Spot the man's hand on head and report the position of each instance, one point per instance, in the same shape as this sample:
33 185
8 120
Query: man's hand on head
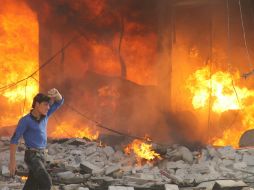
53 93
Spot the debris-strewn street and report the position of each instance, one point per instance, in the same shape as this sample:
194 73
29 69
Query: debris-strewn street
81 164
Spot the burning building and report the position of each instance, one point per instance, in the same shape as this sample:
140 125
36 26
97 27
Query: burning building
166 69
178 71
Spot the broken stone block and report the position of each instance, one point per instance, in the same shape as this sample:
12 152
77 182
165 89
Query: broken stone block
176 179
76 152
199 178
240 165
171 187
4 188
227 162
180 153
64 178
224 169
5 171
120 188
82 188
181 173
98 158
12 186
65 175
113 168
126 169
186 154
223 184
89 168
71 187
180 164
135 180
208 185
248 159
147 176
55 149
143 168
117 156
201 168
90 150
109 151
155 170
173 155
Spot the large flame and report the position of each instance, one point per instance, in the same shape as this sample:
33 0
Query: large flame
220 91
18 59
219 87
68 130
142 150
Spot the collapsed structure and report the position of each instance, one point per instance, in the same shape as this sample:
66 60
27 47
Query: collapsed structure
83 164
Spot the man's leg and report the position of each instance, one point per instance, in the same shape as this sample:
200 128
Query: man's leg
30 183
38 171
41 175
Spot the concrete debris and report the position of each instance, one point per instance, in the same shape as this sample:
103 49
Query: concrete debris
88 167
171 187
5 171
82 188
120 188
180 153
113 168
223 184
248 159
109 151
83 165
206 185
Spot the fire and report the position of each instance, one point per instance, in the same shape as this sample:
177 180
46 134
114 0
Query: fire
219 90
18 59
142 150
24 178
68 130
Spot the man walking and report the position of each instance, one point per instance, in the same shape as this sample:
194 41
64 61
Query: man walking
33 128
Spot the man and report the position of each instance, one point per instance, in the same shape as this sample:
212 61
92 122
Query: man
33 128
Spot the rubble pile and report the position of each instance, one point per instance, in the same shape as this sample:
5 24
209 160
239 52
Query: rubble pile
79 164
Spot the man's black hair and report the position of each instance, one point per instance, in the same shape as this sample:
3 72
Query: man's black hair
40 98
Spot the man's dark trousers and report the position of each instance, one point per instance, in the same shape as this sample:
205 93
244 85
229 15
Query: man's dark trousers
38 178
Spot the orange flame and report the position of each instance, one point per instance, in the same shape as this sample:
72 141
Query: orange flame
142 150
69 130
18 58
220 87
24 178
223 96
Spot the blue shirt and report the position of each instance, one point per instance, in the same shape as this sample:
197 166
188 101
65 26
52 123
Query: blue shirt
34 132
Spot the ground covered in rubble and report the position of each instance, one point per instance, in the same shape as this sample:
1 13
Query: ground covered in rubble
80 164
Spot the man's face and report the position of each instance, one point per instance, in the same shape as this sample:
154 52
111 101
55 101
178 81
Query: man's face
42 108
